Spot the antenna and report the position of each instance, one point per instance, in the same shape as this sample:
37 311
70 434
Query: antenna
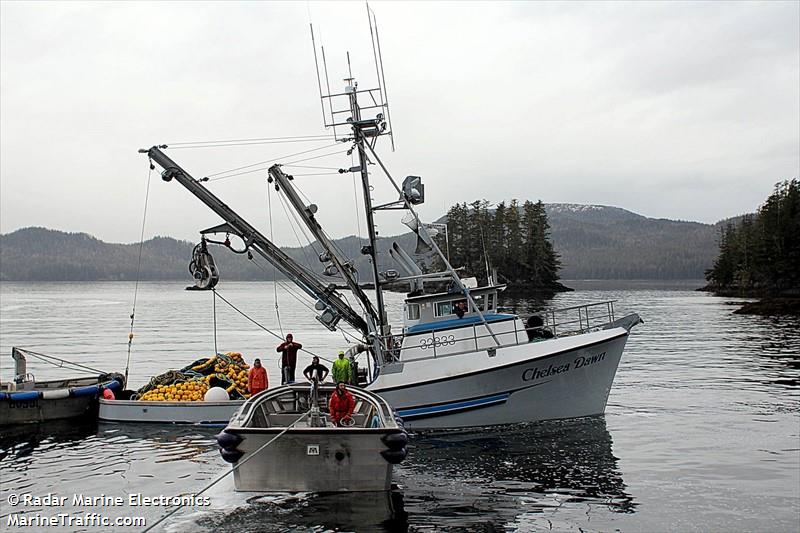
379 67
316 67
337 107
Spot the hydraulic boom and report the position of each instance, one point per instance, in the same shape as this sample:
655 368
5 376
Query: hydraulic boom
328 299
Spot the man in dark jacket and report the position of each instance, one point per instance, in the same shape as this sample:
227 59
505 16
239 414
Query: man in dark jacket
288 352
315 371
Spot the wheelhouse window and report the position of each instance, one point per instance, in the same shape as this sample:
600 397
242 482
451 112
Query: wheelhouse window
412 311
490 301
443 308
479 302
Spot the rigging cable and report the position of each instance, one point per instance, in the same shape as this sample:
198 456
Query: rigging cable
49 359
257 139
274 269
138 267
289 213
270 160
226 474
264 327
214 306
224 145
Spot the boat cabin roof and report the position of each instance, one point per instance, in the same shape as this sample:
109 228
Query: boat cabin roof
450 295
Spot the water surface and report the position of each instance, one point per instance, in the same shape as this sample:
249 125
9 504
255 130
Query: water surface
702 430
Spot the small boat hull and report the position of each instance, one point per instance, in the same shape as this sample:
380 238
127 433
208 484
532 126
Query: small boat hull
53 400
330 460
200 413
35 410
284 440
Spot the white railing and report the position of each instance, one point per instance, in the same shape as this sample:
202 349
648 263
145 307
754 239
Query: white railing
557 323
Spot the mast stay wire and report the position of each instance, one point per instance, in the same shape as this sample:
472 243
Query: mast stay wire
272 160
224 145
208 178
257 139
138 267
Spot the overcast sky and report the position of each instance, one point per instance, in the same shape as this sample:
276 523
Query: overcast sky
676 110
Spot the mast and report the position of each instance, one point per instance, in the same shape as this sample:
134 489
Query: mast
361 129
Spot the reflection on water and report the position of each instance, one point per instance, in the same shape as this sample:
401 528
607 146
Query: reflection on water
494 477
20 442
363 511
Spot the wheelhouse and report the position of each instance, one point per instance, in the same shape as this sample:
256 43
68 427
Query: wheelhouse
428 312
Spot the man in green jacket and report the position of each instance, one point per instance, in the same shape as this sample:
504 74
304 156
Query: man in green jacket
341 369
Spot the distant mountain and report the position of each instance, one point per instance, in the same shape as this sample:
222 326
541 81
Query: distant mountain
595 242
602 242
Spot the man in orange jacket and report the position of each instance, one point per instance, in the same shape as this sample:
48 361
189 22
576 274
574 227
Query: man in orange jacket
341 404
257 379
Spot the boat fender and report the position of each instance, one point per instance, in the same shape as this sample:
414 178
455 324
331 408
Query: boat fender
58 394
400 422
395 441
113 384
24 396
228 441
230 455
395 456
78 392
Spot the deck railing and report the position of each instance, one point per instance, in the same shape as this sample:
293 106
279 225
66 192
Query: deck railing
560 322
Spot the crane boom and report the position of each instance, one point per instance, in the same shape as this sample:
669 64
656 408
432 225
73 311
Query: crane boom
333 306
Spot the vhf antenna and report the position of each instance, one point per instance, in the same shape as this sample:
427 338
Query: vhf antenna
377 99
378 57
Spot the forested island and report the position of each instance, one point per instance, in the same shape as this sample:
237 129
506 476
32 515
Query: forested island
759 255
514 239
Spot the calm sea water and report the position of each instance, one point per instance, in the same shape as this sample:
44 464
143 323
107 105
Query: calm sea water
702 430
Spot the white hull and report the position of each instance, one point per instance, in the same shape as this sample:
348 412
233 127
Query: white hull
202 413
565 377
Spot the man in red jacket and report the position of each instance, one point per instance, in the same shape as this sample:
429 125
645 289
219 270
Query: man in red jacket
288 352
341 404
257 379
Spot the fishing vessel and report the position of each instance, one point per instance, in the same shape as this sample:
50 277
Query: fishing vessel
283 440
457 360
27 400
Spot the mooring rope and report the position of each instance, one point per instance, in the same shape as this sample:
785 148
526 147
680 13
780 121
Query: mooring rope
229 472
138 268
48 359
